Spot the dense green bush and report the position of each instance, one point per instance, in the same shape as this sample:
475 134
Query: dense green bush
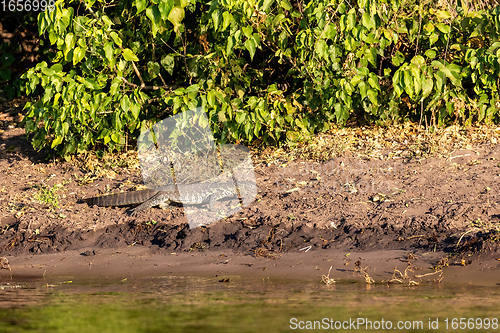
265 69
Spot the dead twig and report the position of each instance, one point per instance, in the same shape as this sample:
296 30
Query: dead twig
326 279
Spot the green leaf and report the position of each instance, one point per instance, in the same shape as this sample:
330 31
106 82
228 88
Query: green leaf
247 31
117 122
427 85
250 45
107 21
301 123
115 86
454 74
154 15
264 115
240 117
418 60
494 46
439 76
322 49
331 31
57 141
442 14
129 55
5 74
283 40
66 17
367 21
82 44
125 103
47 71
417 85
216 19
115 137
433 38
42 24
78 55
153 69
165 6
65 128
355 80
372 95
248 130
293 136
428 28
135 109
140 5
221 116
230 45
116 38
69 43
256 130
351 19
168 62
91 84
227 19
52 37
397 82
398 59
431 53
266 5
371 56
373 81
445 29
408 83
108 51
176 16
451 71
285 4
361 88
211 98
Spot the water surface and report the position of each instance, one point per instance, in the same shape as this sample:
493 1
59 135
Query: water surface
187 304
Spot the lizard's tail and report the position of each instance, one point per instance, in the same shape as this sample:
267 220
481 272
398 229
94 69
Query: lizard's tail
121 199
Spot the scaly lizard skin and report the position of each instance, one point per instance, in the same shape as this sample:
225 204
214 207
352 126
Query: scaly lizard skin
122 199
192 194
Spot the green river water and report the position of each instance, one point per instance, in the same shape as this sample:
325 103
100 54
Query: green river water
181 304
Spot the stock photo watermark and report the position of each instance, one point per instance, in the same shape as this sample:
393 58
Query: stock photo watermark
356 324
27 5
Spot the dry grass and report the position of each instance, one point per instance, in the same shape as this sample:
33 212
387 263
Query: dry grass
326 279
377 142
444 262
262 252
409 277
478 226
105 166
368 142
363 272
199 246
4 263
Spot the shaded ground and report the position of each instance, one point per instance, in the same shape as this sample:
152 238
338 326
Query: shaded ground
448 205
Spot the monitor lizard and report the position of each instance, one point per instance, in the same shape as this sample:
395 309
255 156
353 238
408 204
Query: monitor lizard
191 194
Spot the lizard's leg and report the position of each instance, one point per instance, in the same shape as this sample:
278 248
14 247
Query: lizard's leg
165 204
